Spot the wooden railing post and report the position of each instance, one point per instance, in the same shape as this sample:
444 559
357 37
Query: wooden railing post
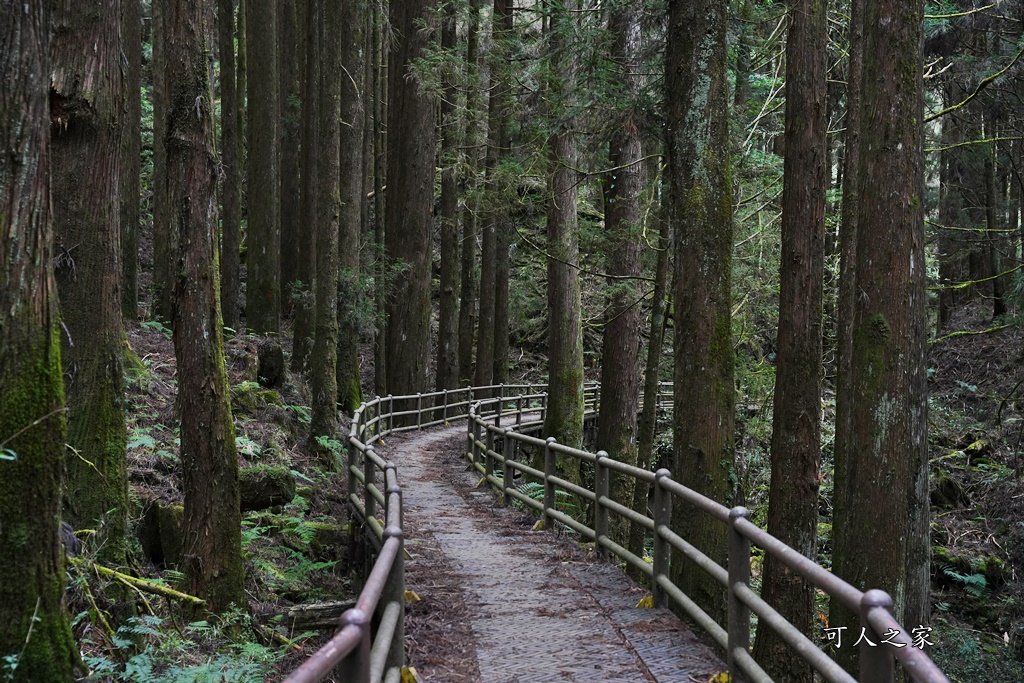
497 416
419 410
488 449
353 451
369 476
739 573
356 667
507 473
662 549
444 412
549 486
877 663
601 487
394 587
391 412
519 411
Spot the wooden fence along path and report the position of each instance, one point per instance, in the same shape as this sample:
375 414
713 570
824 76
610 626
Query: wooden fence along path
535 616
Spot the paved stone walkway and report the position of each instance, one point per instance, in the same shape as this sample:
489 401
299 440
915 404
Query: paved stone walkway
516 605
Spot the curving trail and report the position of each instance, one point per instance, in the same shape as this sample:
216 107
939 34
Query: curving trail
504 604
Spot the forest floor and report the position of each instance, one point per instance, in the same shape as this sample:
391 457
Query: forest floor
976 425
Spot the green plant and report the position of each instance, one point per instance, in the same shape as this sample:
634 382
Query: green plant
975 584
157 326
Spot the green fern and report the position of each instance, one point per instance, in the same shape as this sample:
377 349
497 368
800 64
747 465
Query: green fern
974 584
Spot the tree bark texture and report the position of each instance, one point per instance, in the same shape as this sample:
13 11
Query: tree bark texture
447 332
305 309
353 102
324 359
380 165
212 552
796 423
700 191
87 101
493 215
231 186
647 425
620 350
289 134
469 284
131 159
32 424
564 419
263 256
881 537
410 150
161 304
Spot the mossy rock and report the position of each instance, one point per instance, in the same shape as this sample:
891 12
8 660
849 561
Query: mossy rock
160 533
978 449
944 558
947 492
270 397
994 569
329 542
264 486
271 370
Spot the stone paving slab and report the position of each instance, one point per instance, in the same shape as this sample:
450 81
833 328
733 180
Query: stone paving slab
539 608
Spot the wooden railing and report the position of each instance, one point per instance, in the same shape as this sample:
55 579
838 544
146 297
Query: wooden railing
369 645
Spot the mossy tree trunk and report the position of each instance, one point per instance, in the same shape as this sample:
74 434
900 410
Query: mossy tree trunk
881 537
410 150
324 357
353 103
380 167
263 256
470 283
700 196
212 552
33 620
493 216
131 160
161 302
620 350
305 310
447 329
647 425
796 424
87 102
231 187
564 419
288 148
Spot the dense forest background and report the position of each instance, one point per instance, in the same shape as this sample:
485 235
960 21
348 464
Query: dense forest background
227 222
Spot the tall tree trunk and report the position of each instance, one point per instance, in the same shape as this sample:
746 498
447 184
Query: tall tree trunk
212 553
469 284
263 260
882 540
564 419
324 358
620 351
486 360
305 310
85 135
288 147
380 164
447 329
353 102
33 620
992 224
848 230
647 426
231 244
131 158
950 206
231 191
796 424
701 213
161 305
410 150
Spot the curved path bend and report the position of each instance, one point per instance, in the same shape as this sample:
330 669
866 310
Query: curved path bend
501 603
